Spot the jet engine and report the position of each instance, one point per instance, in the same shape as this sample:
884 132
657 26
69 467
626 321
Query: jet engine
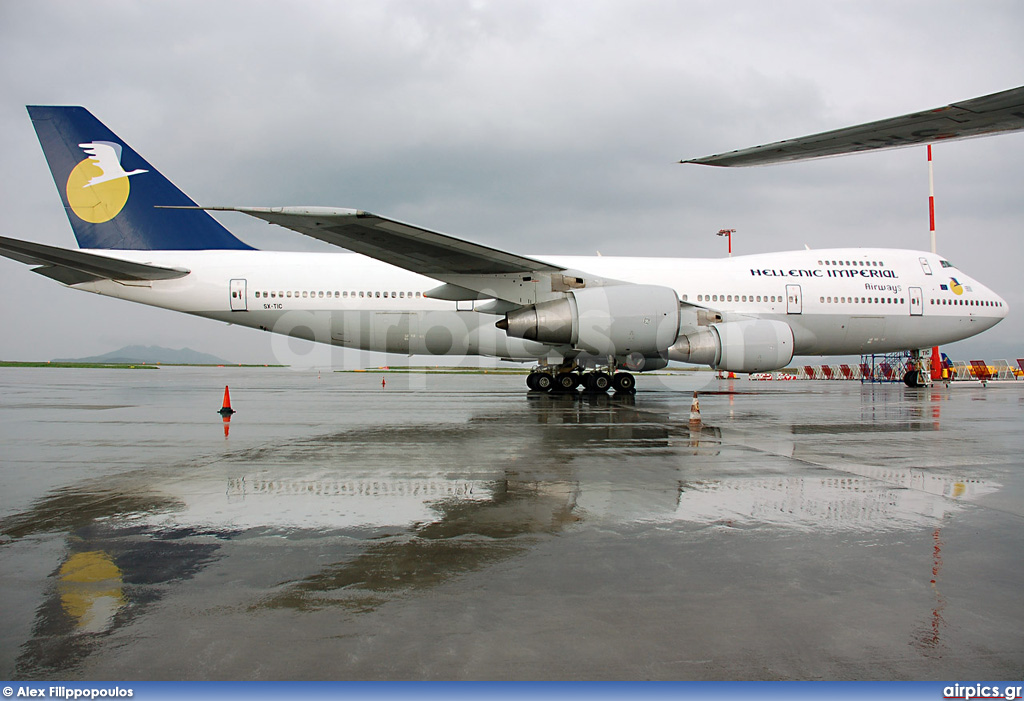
616 320
753 345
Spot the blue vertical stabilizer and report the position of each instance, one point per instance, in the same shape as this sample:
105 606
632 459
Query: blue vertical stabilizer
110 193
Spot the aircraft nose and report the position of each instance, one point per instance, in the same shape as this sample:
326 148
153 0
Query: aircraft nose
1004 308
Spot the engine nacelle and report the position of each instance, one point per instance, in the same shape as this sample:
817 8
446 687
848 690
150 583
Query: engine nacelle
616 320
637 362
753 345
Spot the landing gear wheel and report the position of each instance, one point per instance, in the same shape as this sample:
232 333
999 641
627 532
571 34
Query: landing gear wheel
566 382
539 381
544 382
597 381
624 382
912 378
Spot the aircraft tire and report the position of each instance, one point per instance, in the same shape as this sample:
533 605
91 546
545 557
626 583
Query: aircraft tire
624 382
565 382
597 382
531 381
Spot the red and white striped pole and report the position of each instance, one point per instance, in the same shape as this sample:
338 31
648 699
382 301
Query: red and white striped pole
728 234
936 359
931 198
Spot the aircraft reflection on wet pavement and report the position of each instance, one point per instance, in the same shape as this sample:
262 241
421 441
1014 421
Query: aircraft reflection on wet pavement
371 512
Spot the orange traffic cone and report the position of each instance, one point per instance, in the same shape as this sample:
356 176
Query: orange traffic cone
226 410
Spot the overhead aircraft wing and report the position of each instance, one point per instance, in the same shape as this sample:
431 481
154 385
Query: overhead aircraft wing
403 245
991 114
72 267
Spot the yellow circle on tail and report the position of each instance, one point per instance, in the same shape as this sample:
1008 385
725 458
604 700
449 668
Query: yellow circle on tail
98 203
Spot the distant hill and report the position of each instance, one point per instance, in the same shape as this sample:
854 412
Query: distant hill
150 354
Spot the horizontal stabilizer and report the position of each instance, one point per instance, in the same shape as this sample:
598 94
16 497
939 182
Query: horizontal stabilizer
72 267
403 245
982 116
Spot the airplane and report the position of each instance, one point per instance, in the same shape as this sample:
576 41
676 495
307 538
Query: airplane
583 321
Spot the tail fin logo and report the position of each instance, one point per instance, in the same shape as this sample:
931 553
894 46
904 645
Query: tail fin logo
98 187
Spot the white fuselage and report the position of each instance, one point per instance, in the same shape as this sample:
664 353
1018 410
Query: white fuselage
837 301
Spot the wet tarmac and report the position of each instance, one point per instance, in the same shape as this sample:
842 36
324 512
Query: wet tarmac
454 527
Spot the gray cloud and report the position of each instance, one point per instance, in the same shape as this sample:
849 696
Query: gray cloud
537 126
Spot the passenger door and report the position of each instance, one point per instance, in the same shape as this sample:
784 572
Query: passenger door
794 300
238 303
916 301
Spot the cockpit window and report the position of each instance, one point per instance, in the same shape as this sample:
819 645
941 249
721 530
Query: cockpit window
947 264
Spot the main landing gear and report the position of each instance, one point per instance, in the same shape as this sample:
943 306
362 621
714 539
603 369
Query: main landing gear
565 379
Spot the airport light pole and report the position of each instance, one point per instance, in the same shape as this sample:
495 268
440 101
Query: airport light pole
728 234
935 371
931 199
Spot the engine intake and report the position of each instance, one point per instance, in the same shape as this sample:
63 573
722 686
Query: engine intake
616 320
753 345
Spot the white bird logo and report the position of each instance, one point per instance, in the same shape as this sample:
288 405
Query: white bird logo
106 156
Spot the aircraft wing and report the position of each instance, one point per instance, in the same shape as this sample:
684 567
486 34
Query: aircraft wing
991 114
403 245
72 267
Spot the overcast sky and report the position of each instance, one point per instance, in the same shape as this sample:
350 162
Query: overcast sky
539 127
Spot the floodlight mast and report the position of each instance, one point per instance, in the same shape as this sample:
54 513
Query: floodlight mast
931 199
728 234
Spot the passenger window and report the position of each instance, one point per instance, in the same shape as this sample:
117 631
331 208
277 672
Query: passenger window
321 294
378 295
